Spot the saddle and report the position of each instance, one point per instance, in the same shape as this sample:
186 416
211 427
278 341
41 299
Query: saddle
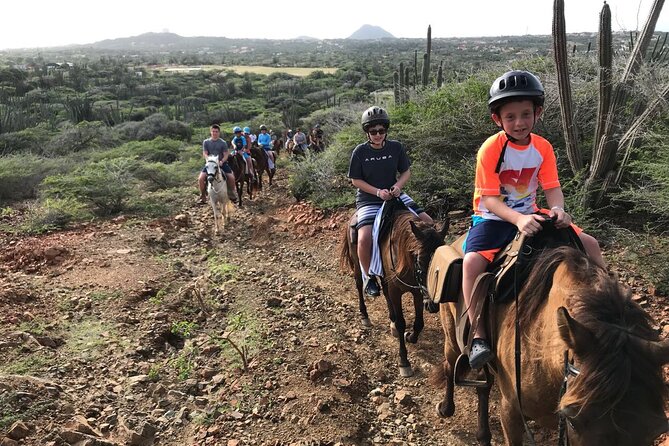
501 283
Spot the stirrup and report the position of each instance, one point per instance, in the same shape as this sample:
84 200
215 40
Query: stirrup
462 370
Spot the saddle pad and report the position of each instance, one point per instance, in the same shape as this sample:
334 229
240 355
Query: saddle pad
444 276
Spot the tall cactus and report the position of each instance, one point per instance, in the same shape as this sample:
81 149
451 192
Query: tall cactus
415 69
605 63
396 88
564 86
604 158
426 68
440 74
406 90
402 83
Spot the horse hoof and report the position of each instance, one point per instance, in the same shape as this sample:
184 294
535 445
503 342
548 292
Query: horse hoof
366 322
406 372
408 337
447 412
431 307
393 330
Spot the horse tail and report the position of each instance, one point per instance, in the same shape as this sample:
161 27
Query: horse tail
346 262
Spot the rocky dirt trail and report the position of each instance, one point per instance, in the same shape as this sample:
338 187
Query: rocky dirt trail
160 332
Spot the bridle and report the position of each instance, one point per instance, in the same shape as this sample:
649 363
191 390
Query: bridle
569 371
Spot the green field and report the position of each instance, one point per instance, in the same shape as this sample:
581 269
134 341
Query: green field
240 69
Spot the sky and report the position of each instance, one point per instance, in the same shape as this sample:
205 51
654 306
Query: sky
45 23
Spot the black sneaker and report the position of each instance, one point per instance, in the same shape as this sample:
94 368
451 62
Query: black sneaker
372 288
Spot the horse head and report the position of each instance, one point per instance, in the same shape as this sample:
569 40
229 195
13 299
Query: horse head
616 397
212 168
428 240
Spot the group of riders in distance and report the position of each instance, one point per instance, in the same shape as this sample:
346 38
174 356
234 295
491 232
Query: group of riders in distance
242 144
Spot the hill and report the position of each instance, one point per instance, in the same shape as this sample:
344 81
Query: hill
370 32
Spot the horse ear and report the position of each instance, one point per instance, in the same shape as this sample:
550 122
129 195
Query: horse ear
417 232
443 232
575 335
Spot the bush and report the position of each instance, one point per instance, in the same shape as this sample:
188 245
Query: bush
54 214
161 150
105 186
154 126
29 140
160 203
82 136
20 175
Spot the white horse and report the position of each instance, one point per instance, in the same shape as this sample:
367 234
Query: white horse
218 192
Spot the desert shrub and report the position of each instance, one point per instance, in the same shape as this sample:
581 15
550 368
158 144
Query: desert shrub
82 136
29 140
52 214
160 203
160 149
104 186
156 176
154 126
20 175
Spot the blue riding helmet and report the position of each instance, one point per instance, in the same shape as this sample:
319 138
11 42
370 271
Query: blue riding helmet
236 129
247 129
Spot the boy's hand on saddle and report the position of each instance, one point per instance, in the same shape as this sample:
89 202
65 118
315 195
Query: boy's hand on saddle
529 224
560 217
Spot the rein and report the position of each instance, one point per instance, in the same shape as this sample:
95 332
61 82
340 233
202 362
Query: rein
418 272
569 371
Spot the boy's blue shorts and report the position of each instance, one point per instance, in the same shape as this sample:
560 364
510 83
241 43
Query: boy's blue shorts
487 237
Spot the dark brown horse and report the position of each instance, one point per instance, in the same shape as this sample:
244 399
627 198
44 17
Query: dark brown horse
571 305
262 165
410 243
238 166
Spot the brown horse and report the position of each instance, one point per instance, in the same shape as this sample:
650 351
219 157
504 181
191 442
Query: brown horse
571 305
262 165
238 166
410 243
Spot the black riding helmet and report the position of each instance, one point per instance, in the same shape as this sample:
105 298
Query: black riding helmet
374 116
516 85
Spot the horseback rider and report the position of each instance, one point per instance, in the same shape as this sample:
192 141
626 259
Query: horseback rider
250 137
216 146
288 137
510 166
241 144
300 141
374 169
265 141
316 139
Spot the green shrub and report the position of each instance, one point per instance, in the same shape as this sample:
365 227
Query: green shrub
82 136
54 214
20 175
30 140
105 186
160 203
154 126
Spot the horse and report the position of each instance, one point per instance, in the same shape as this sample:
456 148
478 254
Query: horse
262 165
290 144
401 252
277 145
590 361
238 166
217 189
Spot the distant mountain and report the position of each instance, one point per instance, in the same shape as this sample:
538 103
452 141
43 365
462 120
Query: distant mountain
369 32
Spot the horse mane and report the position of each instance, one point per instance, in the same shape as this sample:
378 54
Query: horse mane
406 245
605 308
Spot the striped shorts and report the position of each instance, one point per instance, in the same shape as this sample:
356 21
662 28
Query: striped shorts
367 211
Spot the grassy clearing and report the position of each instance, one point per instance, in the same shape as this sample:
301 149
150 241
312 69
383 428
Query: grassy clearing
241 69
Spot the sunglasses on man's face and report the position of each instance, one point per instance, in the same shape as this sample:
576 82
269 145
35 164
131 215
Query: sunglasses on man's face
374 132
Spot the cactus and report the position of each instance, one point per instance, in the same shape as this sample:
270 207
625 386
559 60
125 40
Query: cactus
406 90
396 88
440 74
605 62
589 46
426 67
402 83
564 86
415 69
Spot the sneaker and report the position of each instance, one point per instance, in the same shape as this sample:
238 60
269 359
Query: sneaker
480 354
372 287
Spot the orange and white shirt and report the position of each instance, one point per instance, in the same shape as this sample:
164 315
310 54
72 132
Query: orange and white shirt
523 169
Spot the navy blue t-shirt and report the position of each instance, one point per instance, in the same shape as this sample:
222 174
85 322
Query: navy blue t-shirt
377 167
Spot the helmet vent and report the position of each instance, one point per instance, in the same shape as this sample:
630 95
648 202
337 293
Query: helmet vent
512 81
502 84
